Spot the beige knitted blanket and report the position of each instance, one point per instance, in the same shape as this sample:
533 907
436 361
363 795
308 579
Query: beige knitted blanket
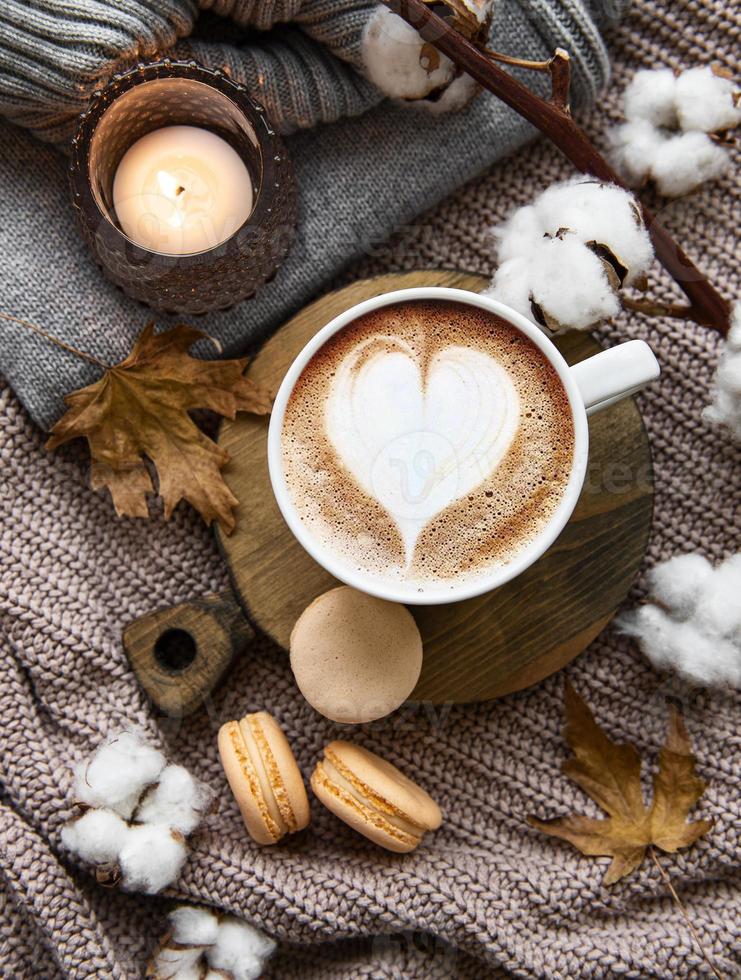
486 895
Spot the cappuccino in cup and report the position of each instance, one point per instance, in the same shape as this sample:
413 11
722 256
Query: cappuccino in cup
427 442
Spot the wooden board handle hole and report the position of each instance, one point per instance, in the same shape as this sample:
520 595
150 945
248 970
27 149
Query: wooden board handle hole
175 650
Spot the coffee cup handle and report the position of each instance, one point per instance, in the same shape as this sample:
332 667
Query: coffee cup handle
613 374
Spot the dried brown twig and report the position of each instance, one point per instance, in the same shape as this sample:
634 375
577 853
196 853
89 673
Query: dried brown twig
552 117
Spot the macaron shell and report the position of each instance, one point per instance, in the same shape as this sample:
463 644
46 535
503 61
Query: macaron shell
246 789
290 779
355 658
388 782
264 777
350 813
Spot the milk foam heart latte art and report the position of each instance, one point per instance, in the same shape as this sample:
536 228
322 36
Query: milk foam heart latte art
395 431
426 442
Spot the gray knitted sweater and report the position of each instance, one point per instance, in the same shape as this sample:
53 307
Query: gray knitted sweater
376 167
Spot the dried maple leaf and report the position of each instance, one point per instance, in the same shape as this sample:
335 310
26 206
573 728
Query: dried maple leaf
611 775
140 407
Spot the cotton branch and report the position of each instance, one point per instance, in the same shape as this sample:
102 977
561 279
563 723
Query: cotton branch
552 117
558 67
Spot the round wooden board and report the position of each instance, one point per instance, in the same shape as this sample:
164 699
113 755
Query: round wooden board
484 647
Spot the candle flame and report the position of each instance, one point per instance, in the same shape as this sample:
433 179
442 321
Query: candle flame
169 185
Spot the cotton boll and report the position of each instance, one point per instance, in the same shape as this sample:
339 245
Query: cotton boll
177 800
193 926
118 772
151 858
548 253
633 147
686 161
569 283
603 213
651 96
705 101
392 50
97 836
683 647
241 949
697 633
581 210
678 583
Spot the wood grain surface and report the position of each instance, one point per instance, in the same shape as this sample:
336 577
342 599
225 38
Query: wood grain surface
180 653
486 646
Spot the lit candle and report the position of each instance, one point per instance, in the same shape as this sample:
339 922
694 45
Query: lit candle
180 190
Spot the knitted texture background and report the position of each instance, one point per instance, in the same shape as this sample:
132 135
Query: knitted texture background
485 896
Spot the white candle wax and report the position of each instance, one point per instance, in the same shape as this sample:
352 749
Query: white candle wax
180 190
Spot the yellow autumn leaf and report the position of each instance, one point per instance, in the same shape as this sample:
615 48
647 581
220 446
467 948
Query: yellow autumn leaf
140 409
611 775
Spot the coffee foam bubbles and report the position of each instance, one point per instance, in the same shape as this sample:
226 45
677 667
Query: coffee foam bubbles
426 442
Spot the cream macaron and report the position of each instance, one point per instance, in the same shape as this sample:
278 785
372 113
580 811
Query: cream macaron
355 658
263 776
373 797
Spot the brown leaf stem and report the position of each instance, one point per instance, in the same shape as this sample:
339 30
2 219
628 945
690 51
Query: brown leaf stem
680 905
552 117
55 340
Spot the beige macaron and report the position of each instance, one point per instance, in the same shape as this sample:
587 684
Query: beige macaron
373 797
355 658
264 777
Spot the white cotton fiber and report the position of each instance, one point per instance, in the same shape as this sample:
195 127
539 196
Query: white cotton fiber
633 147
193 926
119 770
241 949
729 374
684 162
726 406
602 213
665 138
152 858
178 800
719 608
568 281
98 836
696 630
391 51
651 95
511 286
678 582
706 101
516 235
547 252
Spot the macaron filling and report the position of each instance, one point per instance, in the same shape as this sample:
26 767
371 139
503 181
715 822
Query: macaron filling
337 780
276 787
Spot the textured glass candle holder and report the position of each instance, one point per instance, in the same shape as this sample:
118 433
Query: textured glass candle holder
171 93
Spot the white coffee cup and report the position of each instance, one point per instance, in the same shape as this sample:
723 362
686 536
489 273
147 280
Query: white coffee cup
590 385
